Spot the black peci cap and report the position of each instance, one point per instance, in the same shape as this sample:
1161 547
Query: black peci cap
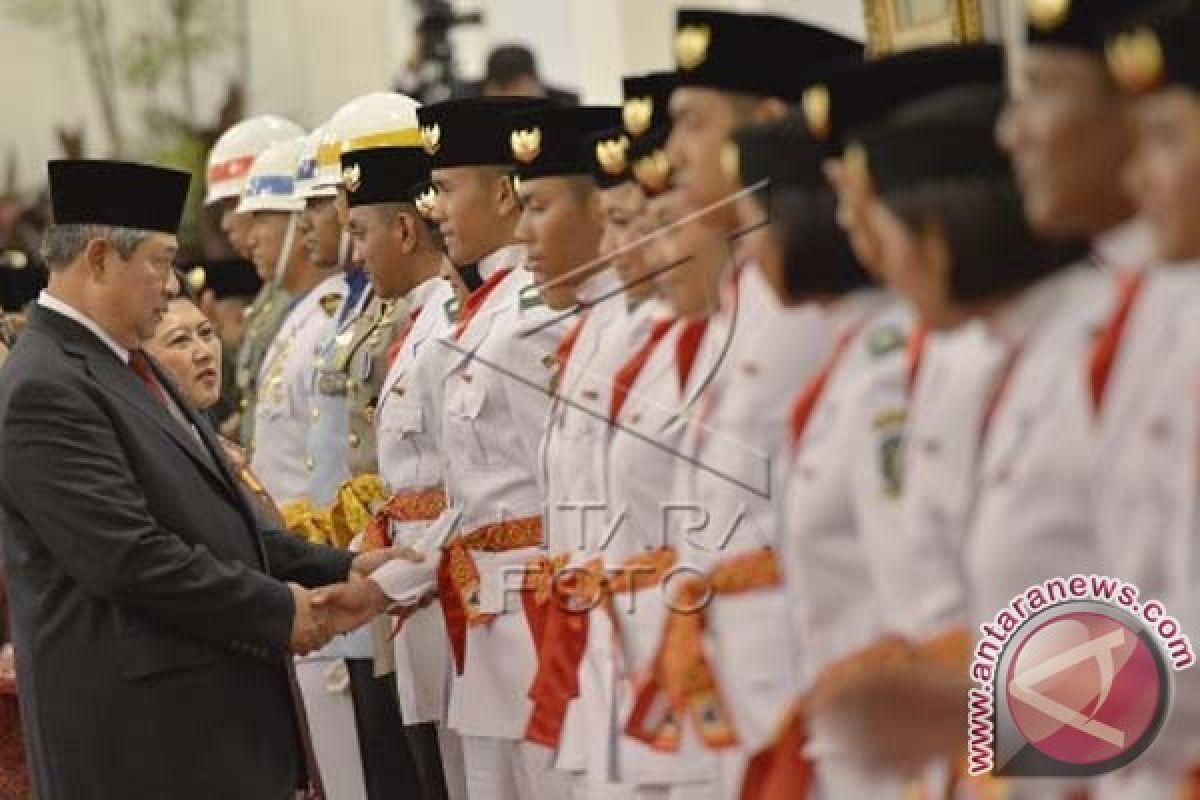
850 94
471 132
118 193
646 97
755 54
554 141
383 175
227 277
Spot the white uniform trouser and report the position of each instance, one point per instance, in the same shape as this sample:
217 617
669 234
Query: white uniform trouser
450 745
505 769
332 727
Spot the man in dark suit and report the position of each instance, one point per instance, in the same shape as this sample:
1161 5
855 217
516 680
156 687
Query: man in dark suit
152 618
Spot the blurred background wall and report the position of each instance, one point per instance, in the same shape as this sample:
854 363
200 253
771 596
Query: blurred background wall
301 58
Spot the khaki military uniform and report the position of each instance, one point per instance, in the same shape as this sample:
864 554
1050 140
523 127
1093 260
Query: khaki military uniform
366 367
264 317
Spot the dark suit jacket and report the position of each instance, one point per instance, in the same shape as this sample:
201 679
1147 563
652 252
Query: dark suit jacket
151 637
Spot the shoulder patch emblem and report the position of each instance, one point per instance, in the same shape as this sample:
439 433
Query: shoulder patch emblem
889 426
330 302
531 298
886 340
451 307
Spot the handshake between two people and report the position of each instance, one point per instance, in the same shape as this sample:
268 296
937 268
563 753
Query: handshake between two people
321 614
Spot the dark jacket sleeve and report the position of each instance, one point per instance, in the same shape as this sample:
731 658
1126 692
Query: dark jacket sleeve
61 455
310 565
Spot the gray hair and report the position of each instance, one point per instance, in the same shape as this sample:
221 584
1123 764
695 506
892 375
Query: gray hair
62 244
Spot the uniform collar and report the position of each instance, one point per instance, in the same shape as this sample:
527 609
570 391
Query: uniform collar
52 303
854 307
1128 246
419 296
598 287
1013 322
511 256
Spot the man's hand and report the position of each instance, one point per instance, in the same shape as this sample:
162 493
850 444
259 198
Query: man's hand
899 717
310 630
348 606
366 563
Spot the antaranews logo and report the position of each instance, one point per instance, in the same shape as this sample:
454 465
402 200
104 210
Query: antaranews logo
1073 679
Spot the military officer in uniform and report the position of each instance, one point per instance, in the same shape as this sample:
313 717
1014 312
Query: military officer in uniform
343 484
285 399
317 179
229 164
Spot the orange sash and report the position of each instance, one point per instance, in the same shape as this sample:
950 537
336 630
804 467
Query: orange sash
682 683
781 771
458 576
557 602
417 505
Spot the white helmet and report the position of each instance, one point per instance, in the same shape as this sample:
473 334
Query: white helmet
234 152
379 119
306 171
271 183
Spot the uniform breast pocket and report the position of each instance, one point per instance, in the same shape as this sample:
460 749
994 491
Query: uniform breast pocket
580 427
467 431
274 401
400 429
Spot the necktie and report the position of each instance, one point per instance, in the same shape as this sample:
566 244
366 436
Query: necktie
567 345
625 377
913 355
999 389
395 348
1107 344
806 402
686 348
475 301
140 364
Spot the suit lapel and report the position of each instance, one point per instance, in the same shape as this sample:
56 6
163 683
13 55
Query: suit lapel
120 380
